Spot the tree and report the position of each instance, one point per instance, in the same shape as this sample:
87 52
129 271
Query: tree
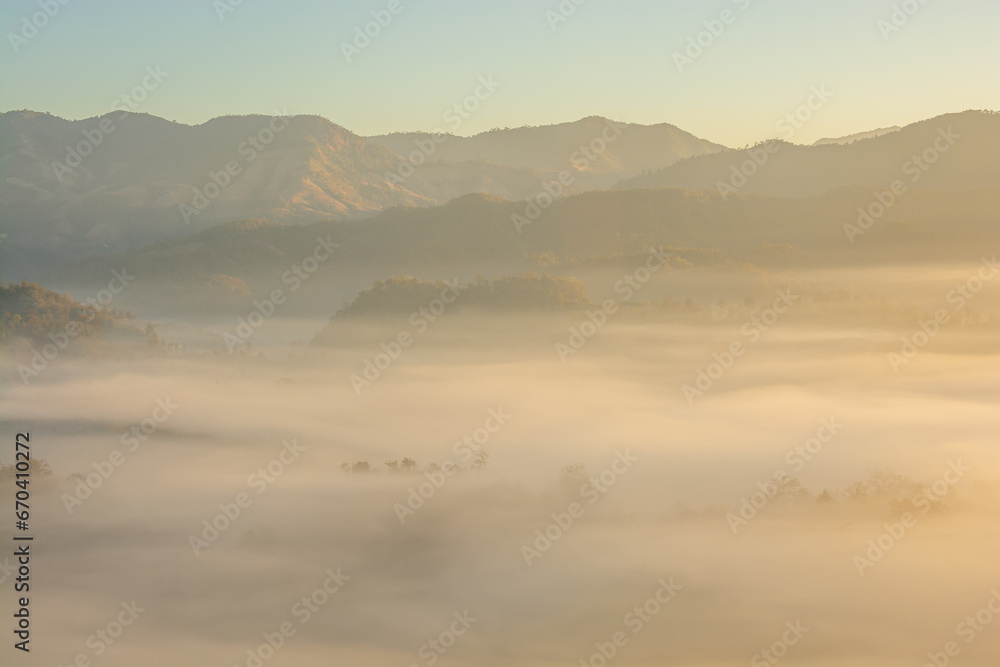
38 467
571 476
857 490
358 466
791 489
152 337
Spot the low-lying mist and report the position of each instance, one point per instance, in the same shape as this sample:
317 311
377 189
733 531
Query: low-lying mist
503 490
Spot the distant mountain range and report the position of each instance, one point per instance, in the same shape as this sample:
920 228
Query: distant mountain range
597 152
851 138
225 267
289 168
120 180
74 189
951 152
102 184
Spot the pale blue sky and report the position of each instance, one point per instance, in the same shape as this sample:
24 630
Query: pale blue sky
611 58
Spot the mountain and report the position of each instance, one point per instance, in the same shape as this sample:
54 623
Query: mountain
444 181
286 167
851 138
72 188
124 199
28 310
405 294
951 152
597 152
225 268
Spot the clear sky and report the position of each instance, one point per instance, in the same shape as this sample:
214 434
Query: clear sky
613 58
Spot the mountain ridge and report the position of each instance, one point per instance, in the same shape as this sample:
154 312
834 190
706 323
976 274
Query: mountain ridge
790 170
72 188
597 151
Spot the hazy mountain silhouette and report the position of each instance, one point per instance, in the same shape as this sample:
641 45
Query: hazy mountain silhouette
128 191
628 149
475 233
138 170
310 167
851 138
793 171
